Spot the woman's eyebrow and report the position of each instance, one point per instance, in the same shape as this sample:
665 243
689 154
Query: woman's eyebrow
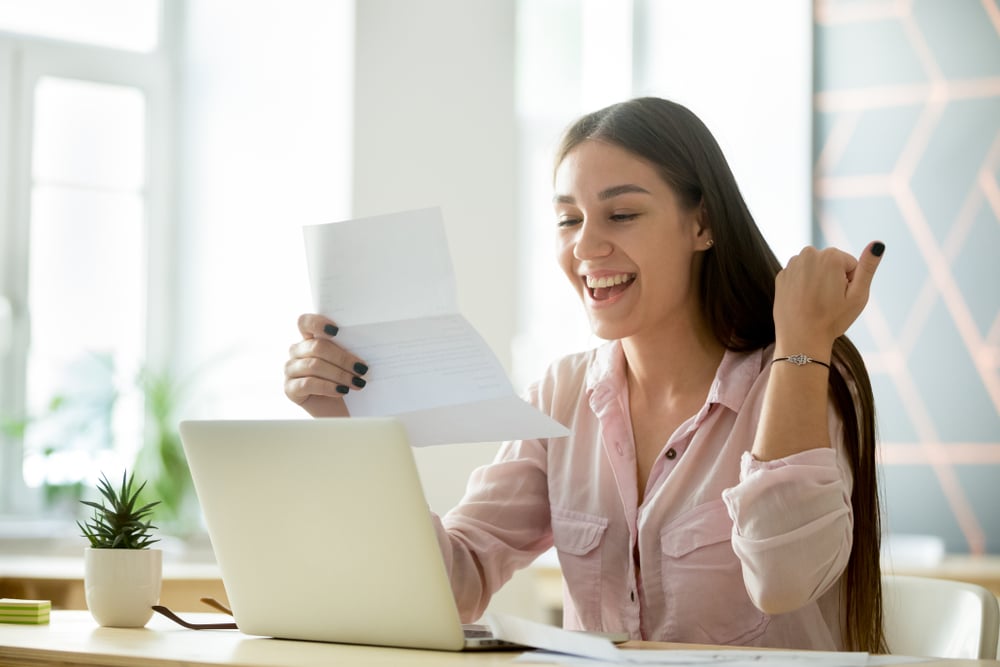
605 194
616 190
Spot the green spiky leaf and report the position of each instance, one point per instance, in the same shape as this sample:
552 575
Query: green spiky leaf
116 522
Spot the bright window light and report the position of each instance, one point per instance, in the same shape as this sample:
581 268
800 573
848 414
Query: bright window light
87 279
123 24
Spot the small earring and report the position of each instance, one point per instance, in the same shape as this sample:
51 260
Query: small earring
710 243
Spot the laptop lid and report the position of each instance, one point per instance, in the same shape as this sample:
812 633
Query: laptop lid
322 532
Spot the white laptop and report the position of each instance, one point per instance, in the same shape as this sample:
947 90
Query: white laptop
322 532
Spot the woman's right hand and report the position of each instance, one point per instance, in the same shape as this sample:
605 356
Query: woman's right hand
319 372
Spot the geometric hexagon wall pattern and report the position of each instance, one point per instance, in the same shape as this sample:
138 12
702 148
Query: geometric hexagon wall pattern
907 150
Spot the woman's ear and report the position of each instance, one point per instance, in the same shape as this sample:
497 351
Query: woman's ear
703 233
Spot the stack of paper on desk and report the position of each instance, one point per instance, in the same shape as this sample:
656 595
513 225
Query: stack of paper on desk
387 282
25 612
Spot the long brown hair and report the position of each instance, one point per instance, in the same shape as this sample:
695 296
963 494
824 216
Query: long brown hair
737 296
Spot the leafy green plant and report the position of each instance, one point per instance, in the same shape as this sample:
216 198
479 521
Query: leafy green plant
122 523
76 423
161 458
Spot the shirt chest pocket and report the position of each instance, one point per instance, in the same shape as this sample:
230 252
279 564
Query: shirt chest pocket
703 580
577 537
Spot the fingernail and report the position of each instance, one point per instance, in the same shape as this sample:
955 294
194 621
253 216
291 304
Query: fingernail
358 382
330 330
342 389
360 368
878 248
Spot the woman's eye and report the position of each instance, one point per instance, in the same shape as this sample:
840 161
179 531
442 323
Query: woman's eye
567 222
623 217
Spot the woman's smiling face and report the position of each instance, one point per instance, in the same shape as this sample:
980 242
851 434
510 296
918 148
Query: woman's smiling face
625 242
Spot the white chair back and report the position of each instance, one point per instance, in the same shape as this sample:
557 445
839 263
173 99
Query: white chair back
939 618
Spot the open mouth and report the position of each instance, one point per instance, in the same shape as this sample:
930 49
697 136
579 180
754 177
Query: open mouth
606 287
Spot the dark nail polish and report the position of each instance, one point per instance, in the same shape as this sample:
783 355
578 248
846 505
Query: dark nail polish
330 330
878 248
360 368
358 382
342 389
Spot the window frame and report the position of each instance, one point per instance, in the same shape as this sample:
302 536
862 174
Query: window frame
24 60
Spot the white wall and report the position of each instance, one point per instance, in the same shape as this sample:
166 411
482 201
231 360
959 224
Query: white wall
434 126
271 140
264 147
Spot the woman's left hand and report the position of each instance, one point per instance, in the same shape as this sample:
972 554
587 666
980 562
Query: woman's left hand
819 295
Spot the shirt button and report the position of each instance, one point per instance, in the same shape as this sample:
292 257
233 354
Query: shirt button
621 452
671 454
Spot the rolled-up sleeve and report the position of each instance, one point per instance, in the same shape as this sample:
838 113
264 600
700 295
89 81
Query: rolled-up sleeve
792 526
502 524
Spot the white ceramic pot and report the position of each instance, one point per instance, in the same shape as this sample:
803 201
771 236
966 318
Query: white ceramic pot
122 585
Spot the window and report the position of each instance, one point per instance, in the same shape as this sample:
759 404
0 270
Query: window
576 56
84 125
86 275
123 24
573 56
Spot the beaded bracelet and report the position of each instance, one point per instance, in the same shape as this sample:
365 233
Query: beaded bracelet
801 360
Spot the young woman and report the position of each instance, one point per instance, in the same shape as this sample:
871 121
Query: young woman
719 484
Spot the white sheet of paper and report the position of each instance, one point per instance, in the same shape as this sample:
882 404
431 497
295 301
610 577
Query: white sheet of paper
550 638
726 658
387 282
564 647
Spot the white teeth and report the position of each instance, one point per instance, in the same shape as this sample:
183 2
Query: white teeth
609 281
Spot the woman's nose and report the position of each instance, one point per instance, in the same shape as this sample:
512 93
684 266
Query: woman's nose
589 242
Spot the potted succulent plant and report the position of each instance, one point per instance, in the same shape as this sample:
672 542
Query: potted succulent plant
122 574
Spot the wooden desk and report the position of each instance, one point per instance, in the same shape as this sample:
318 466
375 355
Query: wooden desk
983 570
73 638
60 579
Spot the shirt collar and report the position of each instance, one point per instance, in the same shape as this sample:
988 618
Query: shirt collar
735 376
733 379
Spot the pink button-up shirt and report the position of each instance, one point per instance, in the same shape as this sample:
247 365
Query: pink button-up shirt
723 549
